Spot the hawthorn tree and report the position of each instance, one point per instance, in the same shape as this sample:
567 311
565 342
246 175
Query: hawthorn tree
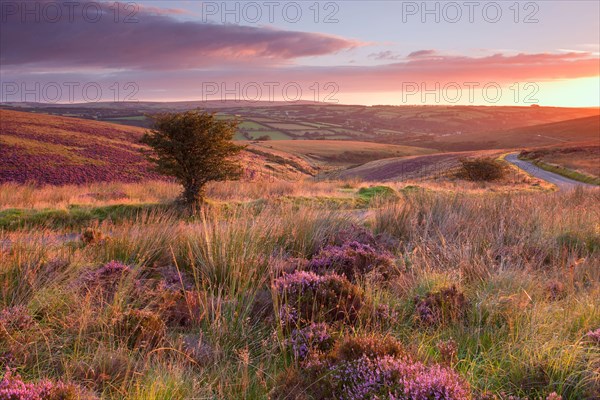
195 148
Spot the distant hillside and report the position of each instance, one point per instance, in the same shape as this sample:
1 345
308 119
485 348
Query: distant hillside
56 150
442 127
570 131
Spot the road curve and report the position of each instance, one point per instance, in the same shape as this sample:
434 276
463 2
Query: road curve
560 181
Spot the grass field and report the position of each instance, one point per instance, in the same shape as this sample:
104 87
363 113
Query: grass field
150 304
332 268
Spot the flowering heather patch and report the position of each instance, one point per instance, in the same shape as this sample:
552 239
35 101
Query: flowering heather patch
104 280
391 378
352 259
312 338
14 319
56 150
12 387
371 368
594 336
447 305
307 297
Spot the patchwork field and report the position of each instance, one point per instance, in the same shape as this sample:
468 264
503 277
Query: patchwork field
448 128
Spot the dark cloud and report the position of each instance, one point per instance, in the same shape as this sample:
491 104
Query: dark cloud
422 54
156 41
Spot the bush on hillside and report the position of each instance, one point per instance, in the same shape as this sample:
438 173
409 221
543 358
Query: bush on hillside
306 297
482 169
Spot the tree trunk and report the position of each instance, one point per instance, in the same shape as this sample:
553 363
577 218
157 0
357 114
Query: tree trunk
193 195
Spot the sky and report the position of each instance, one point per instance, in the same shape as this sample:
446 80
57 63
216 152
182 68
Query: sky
347 52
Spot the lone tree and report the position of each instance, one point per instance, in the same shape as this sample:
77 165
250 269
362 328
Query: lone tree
195 148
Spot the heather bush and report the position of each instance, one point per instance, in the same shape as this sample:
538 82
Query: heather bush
139 329
314 338
12 387
445 306
103 281
352 260
482 169
306 297
369 368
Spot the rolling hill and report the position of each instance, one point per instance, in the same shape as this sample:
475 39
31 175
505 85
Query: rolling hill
47 149
440 127
569 131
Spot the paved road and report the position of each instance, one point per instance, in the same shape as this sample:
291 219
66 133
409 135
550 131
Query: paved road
560 181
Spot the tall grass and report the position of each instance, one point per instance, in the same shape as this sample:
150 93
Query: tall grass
502 250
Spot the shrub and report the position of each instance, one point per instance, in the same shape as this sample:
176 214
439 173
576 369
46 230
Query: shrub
368 368
12 387
310 339
377 192
447 305
139 328
196 148
103 282
352 260
482 169
307 297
